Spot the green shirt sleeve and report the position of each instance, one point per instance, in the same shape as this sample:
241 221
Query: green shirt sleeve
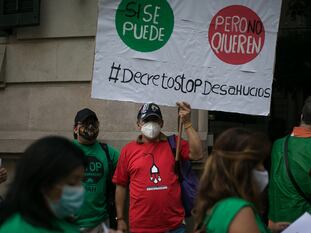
114 155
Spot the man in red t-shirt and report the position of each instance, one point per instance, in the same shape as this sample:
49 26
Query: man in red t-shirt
146 166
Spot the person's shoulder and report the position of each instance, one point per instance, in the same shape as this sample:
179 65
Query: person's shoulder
76 143
280 140
15 218
279 143
14 224
244 221
113 151
129 148
132 144
111 147
224 212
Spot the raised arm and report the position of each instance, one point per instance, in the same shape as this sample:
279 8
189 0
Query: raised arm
195 144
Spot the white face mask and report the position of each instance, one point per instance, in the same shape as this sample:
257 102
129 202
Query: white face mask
151 129
262 178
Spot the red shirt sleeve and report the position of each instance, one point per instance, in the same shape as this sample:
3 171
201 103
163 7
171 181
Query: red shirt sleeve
121 175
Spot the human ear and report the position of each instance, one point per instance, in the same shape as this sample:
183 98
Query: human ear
161 124
139 125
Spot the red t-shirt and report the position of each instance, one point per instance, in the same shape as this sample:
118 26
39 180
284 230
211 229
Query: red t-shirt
155 194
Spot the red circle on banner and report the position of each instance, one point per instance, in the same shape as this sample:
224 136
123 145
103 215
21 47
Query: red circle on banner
236 34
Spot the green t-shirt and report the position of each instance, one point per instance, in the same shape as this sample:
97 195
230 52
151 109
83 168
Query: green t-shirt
285 203
17 224
94 209
223 214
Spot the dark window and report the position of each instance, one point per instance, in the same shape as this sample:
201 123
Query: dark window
18 13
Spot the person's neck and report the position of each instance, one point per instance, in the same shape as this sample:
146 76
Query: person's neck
304 125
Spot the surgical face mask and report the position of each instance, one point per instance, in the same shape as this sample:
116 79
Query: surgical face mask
89 131
70 202
261 178
151 129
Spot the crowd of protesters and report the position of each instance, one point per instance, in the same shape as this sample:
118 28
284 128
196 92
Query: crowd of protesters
61 185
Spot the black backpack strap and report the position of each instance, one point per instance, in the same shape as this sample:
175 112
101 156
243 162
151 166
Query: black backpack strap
111 189
172 142
106 150
290 174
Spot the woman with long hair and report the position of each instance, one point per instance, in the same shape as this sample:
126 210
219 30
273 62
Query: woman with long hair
46 188
231 184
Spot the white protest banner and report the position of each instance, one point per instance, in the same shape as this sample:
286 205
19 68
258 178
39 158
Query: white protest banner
301 225
214 54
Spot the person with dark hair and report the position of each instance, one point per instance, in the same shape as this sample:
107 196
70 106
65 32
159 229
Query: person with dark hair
102 159
290 180
146 167
46 188
231 184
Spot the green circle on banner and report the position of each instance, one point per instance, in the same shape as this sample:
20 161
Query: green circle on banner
144 25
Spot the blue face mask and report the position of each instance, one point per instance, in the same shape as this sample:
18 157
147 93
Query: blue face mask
70 202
